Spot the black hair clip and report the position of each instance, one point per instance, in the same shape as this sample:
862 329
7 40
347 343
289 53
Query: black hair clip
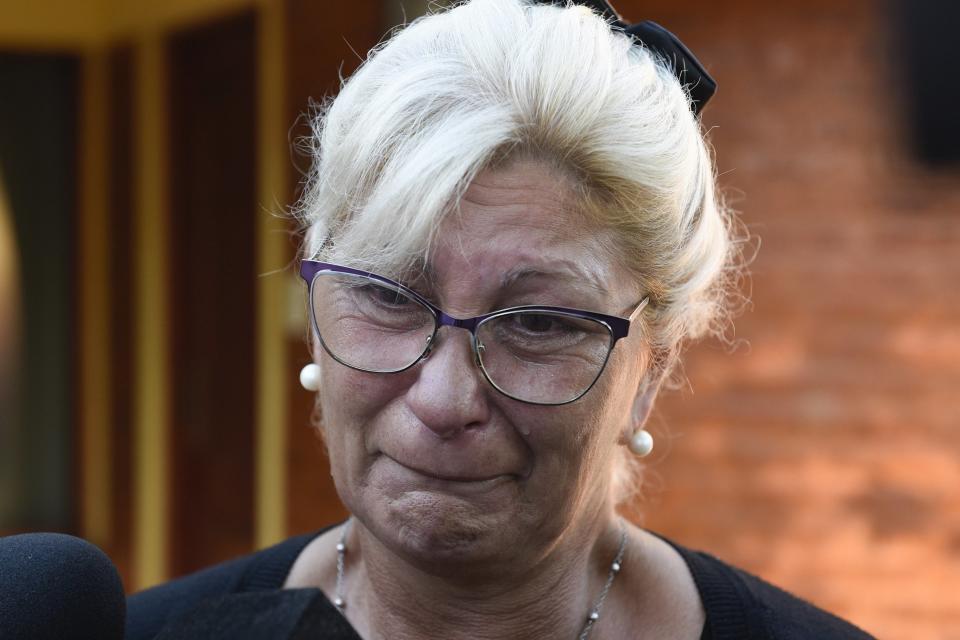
698 83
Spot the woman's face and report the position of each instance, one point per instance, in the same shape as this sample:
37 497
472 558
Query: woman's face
437 463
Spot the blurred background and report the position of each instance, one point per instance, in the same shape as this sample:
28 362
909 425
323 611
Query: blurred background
152 327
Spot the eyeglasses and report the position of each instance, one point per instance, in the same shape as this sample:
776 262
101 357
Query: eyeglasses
532 353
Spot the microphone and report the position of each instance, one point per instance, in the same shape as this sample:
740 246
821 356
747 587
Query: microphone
58 587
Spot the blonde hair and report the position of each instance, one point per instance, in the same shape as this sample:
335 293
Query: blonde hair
466 88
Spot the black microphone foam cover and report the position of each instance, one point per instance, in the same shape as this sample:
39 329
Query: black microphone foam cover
55 586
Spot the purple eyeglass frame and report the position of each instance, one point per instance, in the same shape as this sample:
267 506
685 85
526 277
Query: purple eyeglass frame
617 326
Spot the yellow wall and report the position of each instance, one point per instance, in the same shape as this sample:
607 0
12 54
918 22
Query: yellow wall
151 462
53 23
272 373
72 24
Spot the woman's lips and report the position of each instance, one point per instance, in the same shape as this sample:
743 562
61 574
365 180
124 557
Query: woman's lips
447 476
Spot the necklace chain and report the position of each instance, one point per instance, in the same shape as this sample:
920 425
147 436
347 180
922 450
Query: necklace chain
592 618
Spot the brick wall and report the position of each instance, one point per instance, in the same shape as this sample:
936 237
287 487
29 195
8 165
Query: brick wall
826 455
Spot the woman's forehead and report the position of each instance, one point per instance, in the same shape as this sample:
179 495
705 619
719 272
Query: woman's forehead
521 181
523 213
519 225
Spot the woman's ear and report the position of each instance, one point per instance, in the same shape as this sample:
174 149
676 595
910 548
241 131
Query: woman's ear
643 402
645 398
642 405
637 439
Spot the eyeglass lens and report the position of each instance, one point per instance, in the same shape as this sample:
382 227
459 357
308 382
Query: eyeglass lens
534 356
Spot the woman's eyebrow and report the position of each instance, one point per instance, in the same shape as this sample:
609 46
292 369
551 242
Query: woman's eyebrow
558 271
570 273
419 276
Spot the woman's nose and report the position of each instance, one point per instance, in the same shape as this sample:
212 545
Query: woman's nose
449 394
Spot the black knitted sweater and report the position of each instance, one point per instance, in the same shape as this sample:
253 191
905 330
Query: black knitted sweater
243 598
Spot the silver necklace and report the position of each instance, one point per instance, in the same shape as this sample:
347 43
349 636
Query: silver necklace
592 617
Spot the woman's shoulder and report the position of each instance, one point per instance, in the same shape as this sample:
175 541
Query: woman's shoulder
149 611
740 604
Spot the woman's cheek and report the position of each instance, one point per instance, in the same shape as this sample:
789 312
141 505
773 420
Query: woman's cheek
357 393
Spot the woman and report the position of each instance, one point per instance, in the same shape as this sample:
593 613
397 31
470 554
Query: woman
512 229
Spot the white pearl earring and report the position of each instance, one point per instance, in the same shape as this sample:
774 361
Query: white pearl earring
641 443
310 377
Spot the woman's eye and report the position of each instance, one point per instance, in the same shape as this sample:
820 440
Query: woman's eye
535 323
385 296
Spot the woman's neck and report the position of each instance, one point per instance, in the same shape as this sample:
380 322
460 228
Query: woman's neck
387 596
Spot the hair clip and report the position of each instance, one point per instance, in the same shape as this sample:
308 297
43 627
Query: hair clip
699 84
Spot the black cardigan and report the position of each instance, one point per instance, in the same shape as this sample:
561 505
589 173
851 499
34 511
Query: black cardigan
739 606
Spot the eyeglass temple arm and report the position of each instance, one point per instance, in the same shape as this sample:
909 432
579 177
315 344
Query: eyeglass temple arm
640 307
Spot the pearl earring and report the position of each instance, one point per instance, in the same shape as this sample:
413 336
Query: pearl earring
641 443
310 377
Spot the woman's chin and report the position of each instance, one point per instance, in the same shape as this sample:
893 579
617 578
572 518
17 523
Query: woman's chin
429 520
